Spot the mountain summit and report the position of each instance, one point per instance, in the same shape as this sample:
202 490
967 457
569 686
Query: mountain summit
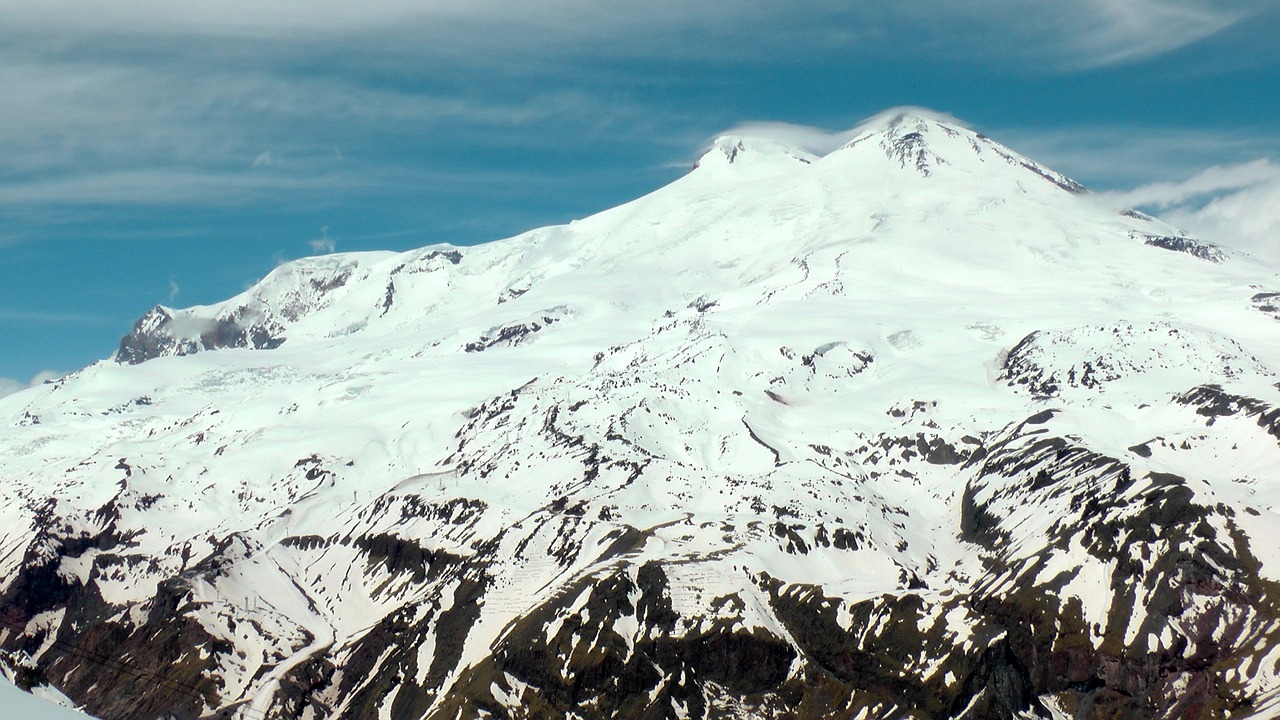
913 427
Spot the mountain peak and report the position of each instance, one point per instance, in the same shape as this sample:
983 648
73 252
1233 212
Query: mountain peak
749 151
910 115
925 141
805 143
912 138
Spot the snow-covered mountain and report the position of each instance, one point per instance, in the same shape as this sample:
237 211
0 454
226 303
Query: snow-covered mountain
915 429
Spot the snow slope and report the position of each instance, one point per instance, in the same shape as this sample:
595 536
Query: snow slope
40 702
22 705
915 428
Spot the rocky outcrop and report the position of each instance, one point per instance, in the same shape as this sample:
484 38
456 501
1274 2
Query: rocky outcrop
158 334
1190 246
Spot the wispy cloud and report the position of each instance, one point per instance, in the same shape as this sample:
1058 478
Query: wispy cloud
155 186
1203 186
323 244
51 318
1225 186
1089 32
9 386
1113 31
1072 35
154 102
1117 157
1235 205
45 376
820 141
92 126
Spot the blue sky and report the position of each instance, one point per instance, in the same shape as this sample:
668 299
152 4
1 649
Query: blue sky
157 152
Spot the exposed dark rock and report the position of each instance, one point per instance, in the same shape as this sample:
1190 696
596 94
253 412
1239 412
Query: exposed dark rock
398 555
165 671
332 282
20 669
1141 450
299 690
152 337
1136 215
516 333
702 304
1212 402
427 263
1267 302
1049 362
586 668
911 149
1195 568
1195 248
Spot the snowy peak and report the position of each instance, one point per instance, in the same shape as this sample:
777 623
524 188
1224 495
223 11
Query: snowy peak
745 154
906 142
262 317
162 331
760 203
923 141
904 138
256 319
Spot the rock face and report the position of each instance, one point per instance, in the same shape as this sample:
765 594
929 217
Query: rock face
911 430
157 334
1191 246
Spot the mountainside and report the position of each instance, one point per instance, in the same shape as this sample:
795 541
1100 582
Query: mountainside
915 429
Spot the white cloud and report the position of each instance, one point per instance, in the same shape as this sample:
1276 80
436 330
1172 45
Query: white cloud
155 186
9 386
45 376
40 317
156 102
1205 184
820 141
323 244
1112 157
83 131
1076 34
152 102
174 290
1236 205
1072 33
1112 31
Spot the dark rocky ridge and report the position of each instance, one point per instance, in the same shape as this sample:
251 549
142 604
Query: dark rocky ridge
570 657
153 337
1190 246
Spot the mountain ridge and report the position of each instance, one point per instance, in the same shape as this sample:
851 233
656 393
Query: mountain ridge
297 296
727 450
